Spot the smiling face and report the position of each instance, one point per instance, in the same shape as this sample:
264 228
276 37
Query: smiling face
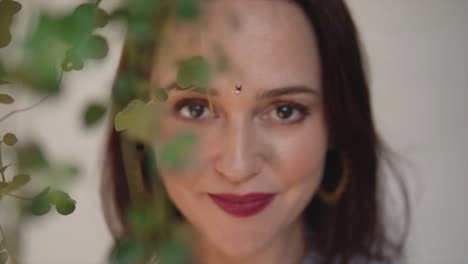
269 138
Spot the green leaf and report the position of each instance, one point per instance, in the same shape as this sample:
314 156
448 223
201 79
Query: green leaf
123 92
129 88
64 204
194 72
76 27
45 48
17 182
10 139
93 114
179 152
95 47
21 180
101 18
66 207
55 197
92 13
188 9
123 119
6 99
161 94
140 121
72 61
39 75
8 9
40 207
30 156
128 252
40 204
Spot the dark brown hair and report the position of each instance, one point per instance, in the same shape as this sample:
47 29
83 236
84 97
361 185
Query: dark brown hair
355 225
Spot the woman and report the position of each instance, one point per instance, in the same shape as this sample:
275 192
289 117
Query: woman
287 153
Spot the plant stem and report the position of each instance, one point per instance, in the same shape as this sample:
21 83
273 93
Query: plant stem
19 197
24 109
1 164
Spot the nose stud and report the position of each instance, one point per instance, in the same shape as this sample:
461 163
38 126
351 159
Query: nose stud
238 89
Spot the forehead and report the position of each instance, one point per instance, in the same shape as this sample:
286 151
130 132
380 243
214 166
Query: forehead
264 42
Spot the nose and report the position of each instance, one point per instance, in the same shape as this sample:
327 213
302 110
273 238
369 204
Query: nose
239 157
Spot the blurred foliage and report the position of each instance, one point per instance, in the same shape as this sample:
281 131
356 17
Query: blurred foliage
94 113
6 99
8 9
30 156
62 43
139 120
178 153
192 72
10 139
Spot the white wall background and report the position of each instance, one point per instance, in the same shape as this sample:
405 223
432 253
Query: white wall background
418 56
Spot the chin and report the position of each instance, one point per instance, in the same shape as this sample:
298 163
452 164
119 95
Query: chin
240 245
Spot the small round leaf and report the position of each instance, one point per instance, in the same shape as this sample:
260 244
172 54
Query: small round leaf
194 71
66 207
93 114
56 197
40 207
6 99
102 18
12 7
95 48
10 139
21 179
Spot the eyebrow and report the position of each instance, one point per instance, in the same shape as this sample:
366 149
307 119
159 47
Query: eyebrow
295 89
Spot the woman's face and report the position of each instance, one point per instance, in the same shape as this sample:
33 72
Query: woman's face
269 139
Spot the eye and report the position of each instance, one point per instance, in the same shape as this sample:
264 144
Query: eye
291 112
192 108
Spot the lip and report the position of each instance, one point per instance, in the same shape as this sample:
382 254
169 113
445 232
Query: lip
242 205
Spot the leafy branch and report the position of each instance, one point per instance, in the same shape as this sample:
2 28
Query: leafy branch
63 43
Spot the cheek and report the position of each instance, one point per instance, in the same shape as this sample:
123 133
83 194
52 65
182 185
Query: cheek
300 158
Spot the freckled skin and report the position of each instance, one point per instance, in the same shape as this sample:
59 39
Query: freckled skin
244 146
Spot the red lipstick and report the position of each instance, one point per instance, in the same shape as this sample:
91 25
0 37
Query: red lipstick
242 205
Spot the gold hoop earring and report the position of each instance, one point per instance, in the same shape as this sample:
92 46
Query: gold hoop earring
335 196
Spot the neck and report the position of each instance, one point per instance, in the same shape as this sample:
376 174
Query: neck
290 246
